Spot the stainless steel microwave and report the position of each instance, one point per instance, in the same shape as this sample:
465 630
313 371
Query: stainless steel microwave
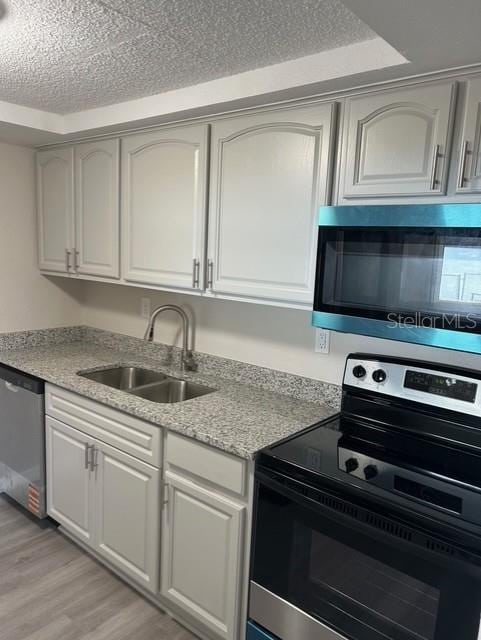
402 272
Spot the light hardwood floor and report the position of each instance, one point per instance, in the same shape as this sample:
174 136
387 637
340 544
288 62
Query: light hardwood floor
51 590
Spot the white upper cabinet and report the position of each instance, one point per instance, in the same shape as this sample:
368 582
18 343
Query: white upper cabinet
55 209
269 174
396 143
469 168
97 208
163 206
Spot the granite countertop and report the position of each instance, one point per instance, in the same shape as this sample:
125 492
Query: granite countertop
238 418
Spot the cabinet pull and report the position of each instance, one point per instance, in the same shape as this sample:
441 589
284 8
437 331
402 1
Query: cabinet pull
67 260
210 273
196 274
462 171
94 458
434 180
75 260
165 500
88 447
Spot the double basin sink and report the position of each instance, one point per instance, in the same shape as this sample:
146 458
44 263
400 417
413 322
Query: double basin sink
147 384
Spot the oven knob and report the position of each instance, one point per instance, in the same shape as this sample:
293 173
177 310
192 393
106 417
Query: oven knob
351 465
379 375
370 472
359 371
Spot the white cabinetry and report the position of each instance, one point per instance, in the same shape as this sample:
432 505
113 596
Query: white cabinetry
69 491
269 173
103 496
203 535
97 208
469 170
396 143
127 517
55 209
163 207
201 554
78 209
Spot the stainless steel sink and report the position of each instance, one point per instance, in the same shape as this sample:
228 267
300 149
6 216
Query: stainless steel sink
172 390
151 385
124 378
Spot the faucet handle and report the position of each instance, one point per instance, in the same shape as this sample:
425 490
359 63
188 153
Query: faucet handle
188 362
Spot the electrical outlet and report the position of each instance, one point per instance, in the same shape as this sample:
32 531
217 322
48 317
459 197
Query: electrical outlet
322 341
145 307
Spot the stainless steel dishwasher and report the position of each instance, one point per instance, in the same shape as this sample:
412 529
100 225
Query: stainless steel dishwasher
22 439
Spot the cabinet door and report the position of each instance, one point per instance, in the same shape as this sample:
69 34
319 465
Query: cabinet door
469 173
127 499
163 206
396 143
97 208
270 173
55 209
202 555
69 486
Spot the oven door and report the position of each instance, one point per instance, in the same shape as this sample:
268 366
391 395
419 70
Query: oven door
326 567
413 283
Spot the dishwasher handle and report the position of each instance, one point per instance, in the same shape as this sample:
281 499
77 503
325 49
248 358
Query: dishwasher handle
14 378
12 387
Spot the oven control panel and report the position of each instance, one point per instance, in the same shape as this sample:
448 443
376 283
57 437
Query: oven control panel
453 498
434 387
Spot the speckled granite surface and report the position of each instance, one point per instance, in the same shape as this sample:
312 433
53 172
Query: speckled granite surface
239 417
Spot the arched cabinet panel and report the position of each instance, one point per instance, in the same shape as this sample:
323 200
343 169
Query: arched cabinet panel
97 208
55 209
396 143
163 206
270 173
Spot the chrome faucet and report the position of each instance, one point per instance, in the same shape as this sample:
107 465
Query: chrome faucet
187 362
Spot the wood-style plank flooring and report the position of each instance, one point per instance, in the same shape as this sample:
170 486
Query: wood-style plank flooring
51 590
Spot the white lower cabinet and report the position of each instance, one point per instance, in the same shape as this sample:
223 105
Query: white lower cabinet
188 547
69 490
106 498
128 514
202 553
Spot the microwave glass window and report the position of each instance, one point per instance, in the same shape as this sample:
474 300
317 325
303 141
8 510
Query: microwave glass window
461 274
381 271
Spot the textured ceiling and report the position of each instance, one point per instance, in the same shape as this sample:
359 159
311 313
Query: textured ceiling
69 55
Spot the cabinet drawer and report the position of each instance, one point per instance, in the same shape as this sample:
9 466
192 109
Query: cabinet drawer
131 435
208 463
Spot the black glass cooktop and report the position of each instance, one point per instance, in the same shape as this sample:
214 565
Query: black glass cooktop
315 450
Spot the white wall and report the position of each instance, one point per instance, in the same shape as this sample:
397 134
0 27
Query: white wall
27 299
276 338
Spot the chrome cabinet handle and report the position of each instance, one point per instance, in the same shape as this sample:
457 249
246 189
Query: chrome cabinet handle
94 458
196 274
210 273
12 387
88 448
67 260
462 170
434 180
75 260
165 501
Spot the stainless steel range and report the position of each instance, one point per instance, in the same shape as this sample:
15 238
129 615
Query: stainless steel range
368 526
